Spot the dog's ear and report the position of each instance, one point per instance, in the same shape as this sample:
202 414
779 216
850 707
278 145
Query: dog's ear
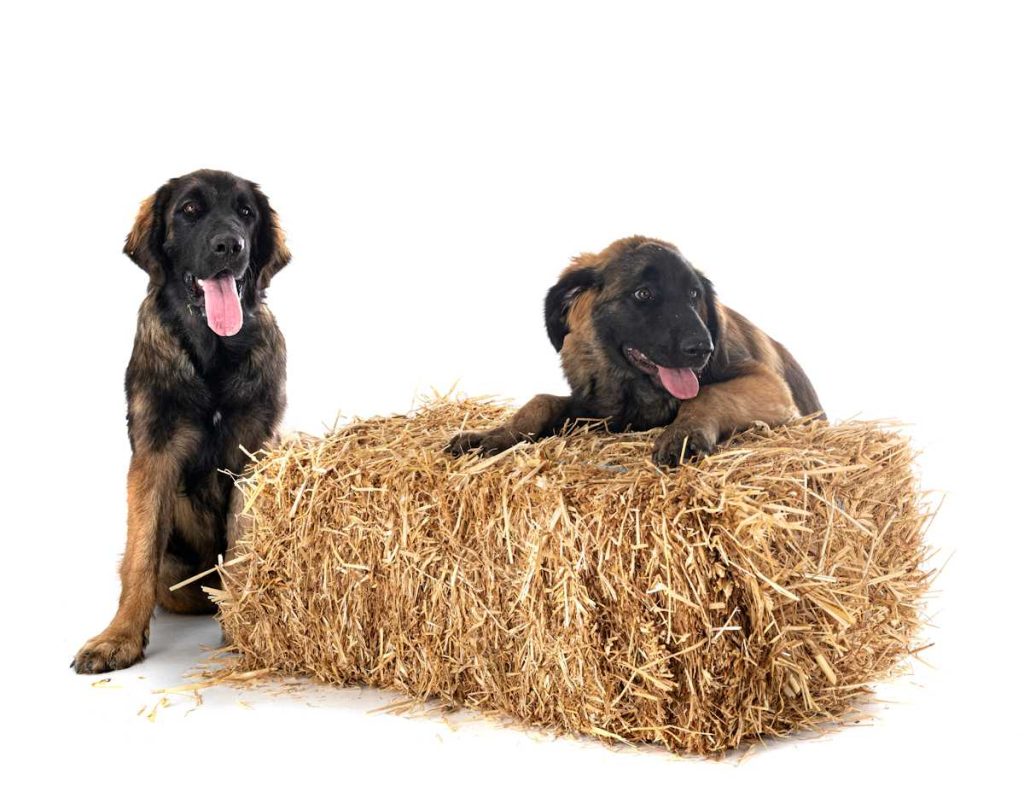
561 297
144 244
712 318
270 254
713 321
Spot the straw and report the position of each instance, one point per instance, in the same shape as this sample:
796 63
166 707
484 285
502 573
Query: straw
573 585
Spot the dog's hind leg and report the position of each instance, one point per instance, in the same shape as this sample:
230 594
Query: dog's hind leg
189 599
196 540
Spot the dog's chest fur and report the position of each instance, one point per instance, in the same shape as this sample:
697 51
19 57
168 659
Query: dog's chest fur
603 390
224 397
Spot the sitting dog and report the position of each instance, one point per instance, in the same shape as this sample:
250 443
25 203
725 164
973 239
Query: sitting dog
645 343
206 378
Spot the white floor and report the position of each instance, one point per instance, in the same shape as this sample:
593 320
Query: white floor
313 737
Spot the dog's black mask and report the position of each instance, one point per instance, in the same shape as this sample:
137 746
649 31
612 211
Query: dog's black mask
652 312
211 241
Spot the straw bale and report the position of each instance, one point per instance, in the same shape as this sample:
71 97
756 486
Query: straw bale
572 584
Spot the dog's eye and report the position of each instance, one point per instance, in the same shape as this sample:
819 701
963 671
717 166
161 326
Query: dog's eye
245 210
643 295
693 293
190 209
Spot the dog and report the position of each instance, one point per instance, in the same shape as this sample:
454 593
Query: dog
205 381
645 343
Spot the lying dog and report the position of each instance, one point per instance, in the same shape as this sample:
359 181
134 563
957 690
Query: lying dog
645 343
206 377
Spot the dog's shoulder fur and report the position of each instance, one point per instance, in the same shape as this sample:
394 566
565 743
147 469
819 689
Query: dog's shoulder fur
742 343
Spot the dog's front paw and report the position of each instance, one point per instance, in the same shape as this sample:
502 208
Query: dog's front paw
110 652
490 442
464 442
678 443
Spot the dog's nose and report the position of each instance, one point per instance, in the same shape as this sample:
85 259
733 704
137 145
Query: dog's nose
227 245
697 347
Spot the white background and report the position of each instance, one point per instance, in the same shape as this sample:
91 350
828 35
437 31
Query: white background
849 176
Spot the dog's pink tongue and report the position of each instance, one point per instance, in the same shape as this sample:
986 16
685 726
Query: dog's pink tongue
681 383
223 308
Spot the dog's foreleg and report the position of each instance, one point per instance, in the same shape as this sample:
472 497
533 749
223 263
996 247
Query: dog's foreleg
153 478
723 408
541 416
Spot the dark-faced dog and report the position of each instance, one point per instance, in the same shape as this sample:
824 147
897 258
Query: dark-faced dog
645 343
206 377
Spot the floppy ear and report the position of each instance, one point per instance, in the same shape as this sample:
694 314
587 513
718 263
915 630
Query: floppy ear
719 363
561 297
712 319
144 244
270 254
